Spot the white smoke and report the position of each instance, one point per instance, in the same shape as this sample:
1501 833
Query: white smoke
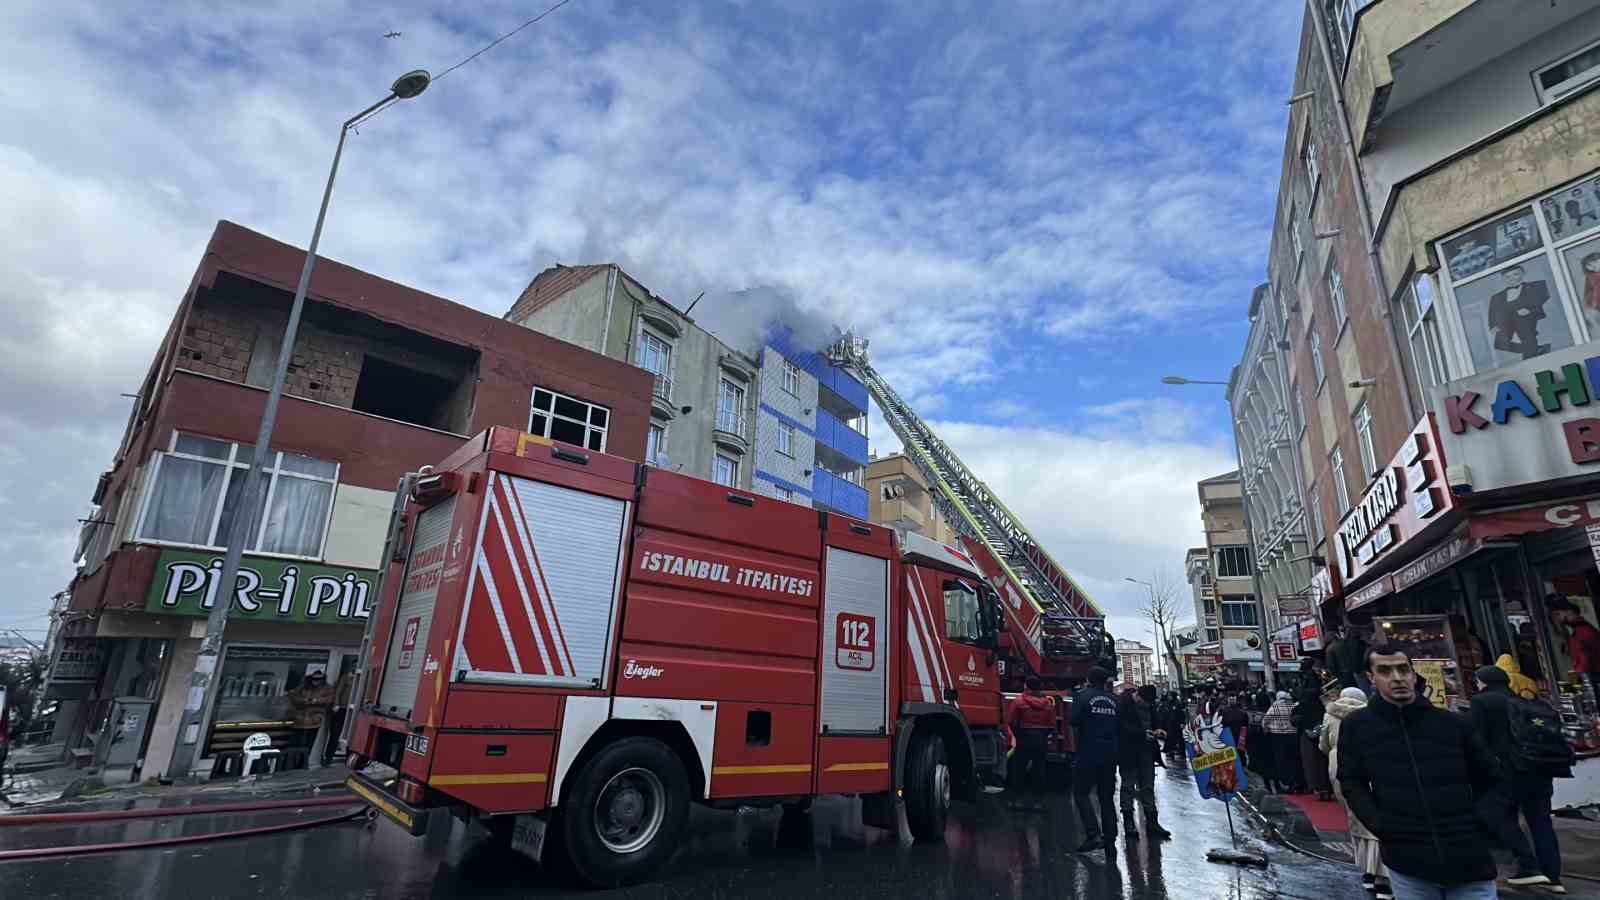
744 319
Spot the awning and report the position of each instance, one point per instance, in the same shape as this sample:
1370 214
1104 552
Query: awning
1535 518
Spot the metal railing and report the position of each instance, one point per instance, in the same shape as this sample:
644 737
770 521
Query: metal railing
731 421
662 388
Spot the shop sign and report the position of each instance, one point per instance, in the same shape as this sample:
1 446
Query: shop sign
1405 497
1284 651
1245 648
1526 423
1202 661
1435 561
1310 635
1530 519
277 590
1379 588
1294 606
77 661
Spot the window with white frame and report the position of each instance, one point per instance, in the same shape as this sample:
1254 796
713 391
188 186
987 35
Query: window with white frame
725 470
786 439
1341 493
1568 74
785 494
1346 10
569 419
1233 562
655 444
1315 338
655 354
1525 283
1239 611
790 379
1294 236
730 407
1314 514
1299 411
1422 345
1369 455
194 494
1283 308
1308 158
1336 294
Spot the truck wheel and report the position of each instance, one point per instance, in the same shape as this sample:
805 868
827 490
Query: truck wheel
625 812
927 788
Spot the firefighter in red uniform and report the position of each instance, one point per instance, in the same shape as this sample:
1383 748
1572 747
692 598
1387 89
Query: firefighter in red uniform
1032 717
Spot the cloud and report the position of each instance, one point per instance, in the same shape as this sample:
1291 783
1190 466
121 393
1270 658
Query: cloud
951 186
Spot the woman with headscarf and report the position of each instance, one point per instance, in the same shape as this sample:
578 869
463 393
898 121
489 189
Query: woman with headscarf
1279 723
1374 876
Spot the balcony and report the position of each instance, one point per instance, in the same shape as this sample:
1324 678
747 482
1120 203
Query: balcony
901 513
731 430
661 396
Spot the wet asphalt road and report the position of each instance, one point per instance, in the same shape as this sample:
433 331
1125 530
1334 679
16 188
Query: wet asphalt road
1009 845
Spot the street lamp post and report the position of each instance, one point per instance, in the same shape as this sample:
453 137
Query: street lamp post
1250 539
244 524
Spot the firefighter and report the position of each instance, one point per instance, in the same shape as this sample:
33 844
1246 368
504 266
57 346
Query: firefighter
1094 766
1032 718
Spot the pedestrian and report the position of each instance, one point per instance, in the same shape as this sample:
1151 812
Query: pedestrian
1237 720
1283 736
1528 785
1032 717
1094 765
1307 718
1374 875
1136 765
310 702
1583 639
342 690
1260 746
1411 773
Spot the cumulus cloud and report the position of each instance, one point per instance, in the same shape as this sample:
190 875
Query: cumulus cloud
945 185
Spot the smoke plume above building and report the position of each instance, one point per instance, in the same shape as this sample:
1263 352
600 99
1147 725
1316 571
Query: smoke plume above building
743 319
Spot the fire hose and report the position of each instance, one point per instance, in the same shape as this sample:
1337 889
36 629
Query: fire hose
357 809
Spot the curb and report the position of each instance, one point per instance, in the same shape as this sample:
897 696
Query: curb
1277 834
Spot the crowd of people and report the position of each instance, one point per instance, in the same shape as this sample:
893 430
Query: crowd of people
1427 792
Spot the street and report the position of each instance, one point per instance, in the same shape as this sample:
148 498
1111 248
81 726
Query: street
1001 847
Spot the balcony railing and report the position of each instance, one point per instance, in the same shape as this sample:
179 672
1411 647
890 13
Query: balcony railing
731 421
662 389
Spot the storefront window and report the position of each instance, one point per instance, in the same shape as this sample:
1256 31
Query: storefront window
1569 585
1499 598
254 694
1430 642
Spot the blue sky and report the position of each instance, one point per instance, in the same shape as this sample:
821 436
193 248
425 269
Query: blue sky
1033 209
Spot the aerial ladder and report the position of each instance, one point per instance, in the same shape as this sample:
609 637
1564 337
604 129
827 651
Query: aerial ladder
1054 629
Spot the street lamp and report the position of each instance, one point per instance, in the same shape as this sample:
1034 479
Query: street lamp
184 748
1250 538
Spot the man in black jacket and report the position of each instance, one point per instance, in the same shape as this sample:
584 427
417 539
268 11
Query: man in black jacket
1413 774
1094 765
1527 792
1137 763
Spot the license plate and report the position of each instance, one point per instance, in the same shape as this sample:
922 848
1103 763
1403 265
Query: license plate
527 837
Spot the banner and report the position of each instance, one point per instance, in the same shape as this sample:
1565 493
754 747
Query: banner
1214 757
278 590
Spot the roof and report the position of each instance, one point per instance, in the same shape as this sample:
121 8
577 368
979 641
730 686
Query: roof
1224 478
550 284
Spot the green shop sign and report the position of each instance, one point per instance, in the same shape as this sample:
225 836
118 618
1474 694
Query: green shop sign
276 590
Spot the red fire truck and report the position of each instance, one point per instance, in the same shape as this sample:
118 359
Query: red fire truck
578 646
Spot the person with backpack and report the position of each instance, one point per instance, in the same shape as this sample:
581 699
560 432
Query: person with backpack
1525 736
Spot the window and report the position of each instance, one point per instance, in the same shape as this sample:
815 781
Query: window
655 445
568 419
1561 78
1233 562
1422 344
961 613
1308 158
786 439
1239 611
1369 454
785 494
404 394
791 378
1299 410
1314 514
655 354
1213 635
1316 354
1346 23
1210 605
1336 293
725 470
194 492
1294 236
1283 309
730 407
1341 494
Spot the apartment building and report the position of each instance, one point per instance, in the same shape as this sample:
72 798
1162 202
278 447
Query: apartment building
899 497
1437 256
1136 662
811 428
384 379
703 394
1228 570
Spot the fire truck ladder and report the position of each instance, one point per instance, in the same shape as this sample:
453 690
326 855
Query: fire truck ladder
976 513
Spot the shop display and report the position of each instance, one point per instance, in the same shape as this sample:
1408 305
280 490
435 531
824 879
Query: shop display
1430 643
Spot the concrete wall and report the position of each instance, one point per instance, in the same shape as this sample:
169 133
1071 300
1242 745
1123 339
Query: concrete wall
359 523
1489 98
578 318
1383 28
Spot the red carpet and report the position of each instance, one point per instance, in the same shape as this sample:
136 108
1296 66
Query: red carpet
1324 815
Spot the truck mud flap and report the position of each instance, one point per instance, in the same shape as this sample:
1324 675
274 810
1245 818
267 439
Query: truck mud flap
413 819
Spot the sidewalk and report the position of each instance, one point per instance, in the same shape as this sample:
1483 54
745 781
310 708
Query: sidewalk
65 789
1319 829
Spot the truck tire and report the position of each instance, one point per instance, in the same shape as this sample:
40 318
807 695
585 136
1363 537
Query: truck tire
927 788
625 812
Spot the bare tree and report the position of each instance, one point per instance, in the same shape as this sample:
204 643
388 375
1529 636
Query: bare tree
1165 612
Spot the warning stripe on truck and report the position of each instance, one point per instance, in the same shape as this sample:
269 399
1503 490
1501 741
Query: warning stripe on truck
511 591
